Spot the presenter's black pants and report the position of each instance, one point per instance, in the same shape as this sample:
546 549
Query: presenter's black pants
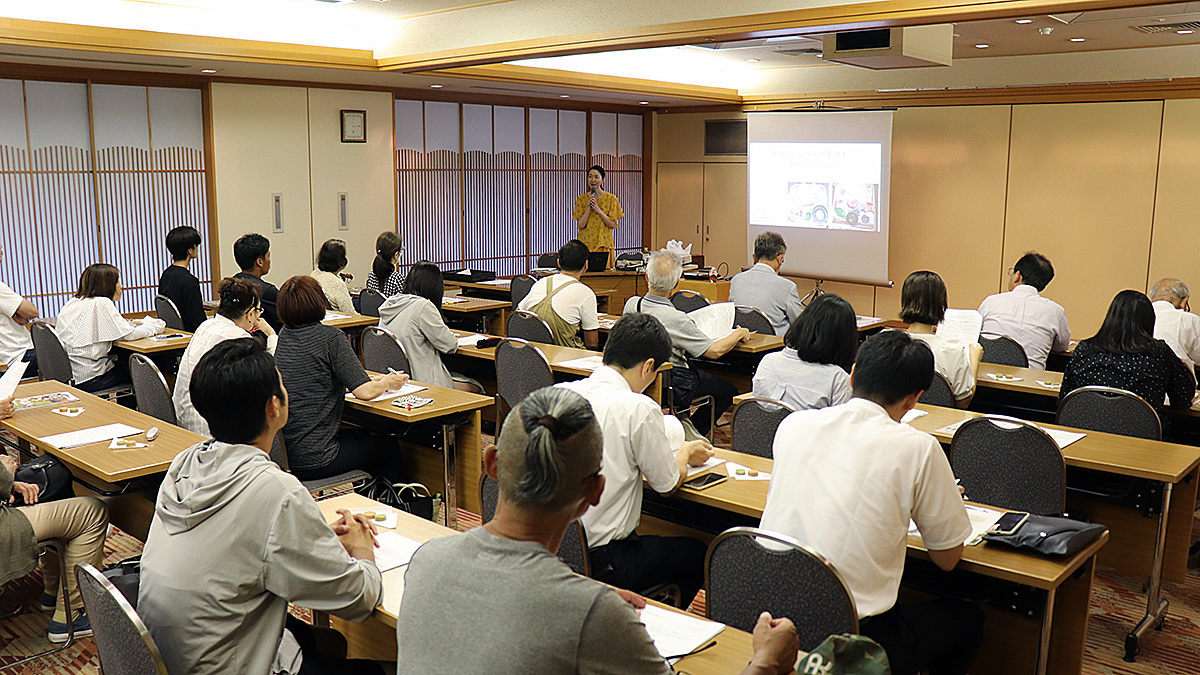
640 563
692 383
938 637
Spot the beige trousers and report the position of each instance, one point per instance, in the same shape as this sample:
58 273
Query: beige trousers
82 523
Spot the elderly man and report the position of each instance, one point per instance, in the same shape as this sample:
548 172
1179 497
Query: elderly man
1039 324
662 276
1174 322
762 287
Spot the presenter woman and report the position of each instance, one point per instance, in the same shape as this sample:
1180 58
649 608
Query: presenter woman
597 212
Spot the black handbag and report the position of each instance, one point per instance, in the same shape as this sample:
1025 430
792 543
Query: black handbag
52 477
1051 536
412 498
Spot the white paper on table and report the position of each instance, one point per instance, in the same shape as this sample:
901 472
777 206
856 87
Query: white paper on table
949 429
394 550
607 323
1063 438
167 337
732 467
470 340
389 522
912 415
453 300
861 321
962 325
1050 385
715 320
74 439
712 463
12 377
584 363
676 633
408 388
1000 377
982 520
498 282
66 412
118 444
331 316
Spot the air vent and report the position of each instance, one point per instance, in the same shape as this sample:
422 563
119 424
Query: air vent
1168 27
799 52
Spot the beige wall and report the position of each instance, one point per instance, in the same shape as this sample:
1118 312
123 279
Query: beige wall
287 140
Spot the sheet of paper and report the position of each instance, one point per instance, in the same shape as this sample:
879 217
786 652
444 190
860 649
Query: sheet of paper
1000 377
1063 438
961 324
454 300
913 415
675 633
121 444
68 412
949 429
866 320
408 388
498 282
607 323
715 320
389 520
74 439
12 377
584 363
1050 385
40 400
394 550
167 337
470 340
982 520
332 316
712 463
732 469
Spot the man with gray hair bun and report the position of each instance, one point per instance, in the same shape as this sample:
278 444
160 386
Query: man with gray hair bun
762 287
662 276
502 584
1174 322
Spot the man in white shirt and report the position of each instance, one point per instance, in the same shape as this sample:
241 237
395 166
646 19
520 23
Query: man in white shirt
1039 324
762 287
846 481
636 446
15 341
572 306
1174 322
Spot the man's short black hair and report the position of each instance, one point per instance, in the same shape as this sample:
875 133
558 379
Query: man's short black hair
249 248
180 240
891 366
635 338
231 387
1035 270
573 256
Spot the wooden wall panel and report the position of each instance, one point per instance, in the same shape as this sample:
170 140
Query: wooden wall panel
679 204
1081 191
1172 253
725 215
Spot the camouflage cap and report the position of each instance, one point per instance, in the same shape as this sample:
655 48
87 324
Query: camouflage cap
845 655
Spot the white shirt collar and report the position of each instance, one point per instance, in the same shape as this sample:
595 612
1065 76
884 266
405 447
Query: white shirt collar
609 375
1164 304
1026 288
867 408
766 267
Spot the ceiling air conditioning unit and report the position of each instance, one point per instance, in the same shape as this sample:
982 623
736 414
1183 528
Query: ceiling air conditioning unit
886 48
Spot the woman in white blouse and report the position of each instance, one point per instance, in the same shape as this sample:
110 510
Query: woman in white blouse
813 369
330 261
239 315
922 307
89 324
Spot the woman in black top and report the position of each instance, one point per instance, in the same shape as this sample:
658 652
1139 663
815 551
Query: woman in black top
1125 355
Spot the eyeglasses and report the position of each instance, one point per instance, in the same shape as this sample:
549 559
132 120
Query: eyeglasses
592 475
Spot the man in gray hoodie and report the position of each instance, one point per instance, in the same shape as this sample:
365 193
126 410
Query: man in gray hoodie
235 539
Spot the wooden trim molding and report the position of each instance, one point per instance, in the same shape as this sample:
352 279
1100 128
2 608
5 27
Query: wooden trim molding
589 82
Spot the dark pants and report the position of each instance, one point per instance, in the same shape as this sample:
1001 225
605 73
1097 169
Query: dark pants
358 449
316 658
938 637
640 563
31 358
117 376
691 383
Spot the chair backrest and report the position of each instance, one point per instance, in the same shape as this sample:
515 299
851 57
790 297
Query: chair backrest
1003 350
489 497
548 260
278 452
51 355
938 393
521 369
168 312
685 300
369 301
1010 463
150 388
529 326
381 349
1113 411
122 641
743 578
520 288
754 425
752 319
573 550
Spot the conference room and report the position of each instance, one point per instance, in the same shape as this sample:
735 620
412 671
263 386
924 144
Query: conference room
877 139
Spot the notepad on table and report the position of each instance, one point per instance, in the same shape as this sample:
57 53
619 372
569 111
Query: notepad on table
408 388
912 415
470 340
394 550
1061 437
74 439
982 519
584 363
676 634
712 463
333 316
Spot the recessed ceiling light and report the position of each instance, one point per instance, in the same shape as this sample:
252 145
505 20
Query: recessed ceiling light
644 102
982 46
564 96
753 60
208 71
1185 32
1077 39
435 86
1024 21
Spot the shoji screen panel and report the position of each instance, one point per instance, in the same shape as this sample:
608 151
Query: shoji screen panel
494 188
558 165
625 177
19 268
429 163
177 163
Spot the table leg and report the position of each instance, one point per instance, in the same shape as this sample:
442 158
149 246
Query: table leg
1043 657
1156 606
450 457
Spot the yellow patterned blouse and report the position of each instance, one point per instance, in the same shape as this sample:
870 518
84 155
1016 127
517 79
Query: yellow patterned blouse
596 234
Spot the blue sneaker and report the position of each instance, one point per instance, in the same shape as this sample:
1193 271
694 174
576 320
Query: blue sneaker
58 629
49 602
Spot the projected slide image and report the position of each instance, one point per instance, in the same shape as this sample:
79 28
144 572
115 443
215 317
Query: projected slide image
809 203
833 186
854 206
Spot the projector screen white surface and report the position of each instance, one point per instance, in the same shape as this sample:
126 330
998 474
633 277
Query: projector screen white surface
821 180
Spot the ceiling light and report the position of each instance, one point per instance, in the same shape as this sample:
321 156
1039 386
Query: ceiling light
753 60
1185 32
1077 39
208 71
564 96
644 102
1024 21
1046 30
435 86
982 46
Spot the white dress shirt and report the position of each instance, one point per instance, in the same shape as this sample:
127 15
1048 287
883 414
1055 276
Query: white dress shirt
88 327
802 385
14 337
635 445
575 304
1039 324
210 334
763 288
1180 330
846 481
952 360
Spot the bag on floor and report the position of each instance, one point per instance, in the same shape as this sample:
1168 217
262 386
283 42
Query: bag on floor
126 575
1051 536
845 655
52 477
412 498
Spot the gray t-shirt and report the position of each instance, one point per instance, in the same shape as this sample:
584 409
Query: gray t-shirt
525 611
686 336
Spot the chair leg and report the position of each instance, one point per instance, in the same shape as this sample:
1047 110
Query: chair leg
62 586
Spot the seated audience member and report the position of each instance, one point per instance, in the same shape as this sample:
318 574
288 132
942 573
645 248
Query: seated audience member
234 539
177 283
239 315
80 522
1039 324
415 318
388 251
330 261
662 276
15 341
853 506
253 255
1124 354
1174 322
318 366
89 324
923 306
564 302
503 581
636 447
763 288
813 369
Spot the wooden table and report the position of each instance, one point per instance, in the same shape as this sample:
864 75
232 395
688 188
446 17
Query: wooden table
483 309
504 291
619 285
154 345
457 413
757 343
715 291
997 378
347 321
376 638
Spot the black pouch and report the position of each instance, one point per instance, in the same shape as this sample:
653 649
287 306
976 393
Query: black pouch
1051 536
51 476
126 575
412 498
